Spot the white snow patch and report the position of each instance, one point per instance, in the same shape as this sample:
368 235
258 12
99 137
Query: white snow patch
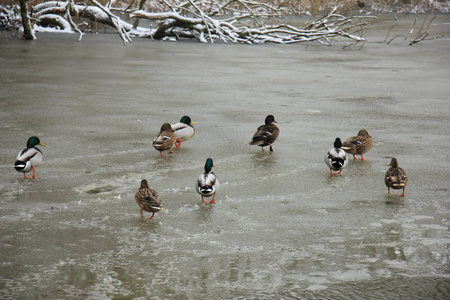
351 275
316 287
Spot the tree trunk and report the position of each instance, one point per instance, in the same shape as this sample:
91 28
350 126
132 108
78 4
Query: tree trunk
27 31
141 6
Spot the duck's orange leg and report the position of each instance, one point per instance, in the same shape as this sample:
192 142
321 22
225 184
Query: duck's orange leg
142 213
335 173
32 176
213 199
403 195
151 217
362 158
178 143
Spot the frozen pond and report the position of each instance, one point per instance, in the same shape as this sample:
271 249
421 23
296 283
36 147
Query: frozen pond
282 227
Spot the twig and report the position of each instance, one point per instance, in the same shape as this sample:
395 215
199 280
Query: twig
387 34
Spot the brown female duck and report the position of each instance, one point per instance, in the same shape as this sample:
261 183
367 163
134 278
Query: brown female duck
395 178
148 199
266 134
360 144
165 139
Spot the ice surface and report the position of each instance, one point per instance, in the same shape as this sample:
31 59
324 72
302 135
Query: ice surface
282 227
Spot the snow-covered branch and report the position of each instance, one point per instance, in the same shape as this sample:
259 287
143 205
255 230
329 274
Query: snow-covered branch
250 26
228 21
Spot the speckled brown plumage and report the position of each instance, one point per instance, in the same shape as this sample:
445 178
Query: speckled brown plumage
358 145
395 177
148 199
165 139
266 134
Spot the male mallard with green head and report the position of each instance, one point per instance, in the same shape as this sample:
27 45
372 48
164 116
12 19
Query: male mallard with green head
30 157
165 139
148 199
266 134
183 130
360 144
395 178
207 183
336 158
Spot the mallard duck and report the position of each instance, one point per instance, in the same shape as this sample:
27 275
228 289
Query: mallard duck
207 183
336 158
266 134
165 139
30 157
183 130
360 144
148 199
395 178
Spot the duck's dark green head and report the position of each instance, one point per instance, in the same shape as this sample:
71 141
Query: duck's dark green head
34 141
270 119
186 120
337 143
208 165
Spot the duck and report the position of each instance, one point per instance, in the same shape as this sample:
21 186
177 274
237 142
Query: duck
30 157
165 139
207 183
183 130
266 134
148 199
336 158
360 144
395 177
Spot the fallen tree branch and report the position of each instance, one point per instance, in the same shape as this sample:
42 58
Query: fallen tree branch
229 21
235 29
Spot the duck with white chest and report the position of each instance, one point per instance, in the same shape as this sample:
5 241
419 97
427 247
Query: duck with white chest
183 130
30 157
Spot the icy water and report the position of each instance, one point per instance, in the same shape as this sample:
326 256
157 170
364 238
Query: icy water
282 227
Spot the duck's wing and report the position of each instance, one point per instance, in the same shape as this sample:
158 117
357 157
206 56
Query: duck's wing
396 177
207 179
152 199
336 158
163 137
28 154
148 197
351 142
265 133
207 184
183 131
273 132
179 126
